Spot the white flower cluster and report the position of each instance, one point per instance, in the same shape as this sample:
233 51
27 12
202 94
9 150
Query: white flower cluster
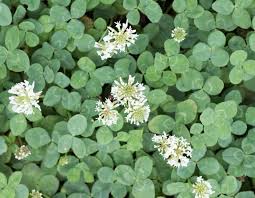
116 40
176 150
131 96
202 188
178 34
107 115
36 194
25 98
22 152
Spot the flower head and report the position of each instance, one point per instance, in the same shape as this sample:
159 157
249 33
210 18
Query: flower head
25 98
202 188
107 115
178 34
127 92
105 49
137 112
123 37
22 152
176 150
63 161
36 194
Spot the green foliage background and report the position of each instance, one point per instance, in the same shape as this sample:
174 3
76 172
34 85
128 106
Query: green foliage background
201 89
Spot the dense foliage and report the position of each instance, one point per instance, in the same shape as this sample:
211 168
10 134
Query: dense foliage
193 63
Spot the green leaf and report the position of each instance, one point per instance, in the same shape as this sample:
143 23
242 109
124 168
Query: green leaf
78 147
224 7
171 47
238 57
65 143
18 61
186 111
151 9
130 4
52 96
3 180
156 96
3 146
78 8
219 57
118 190
18 124
249 116
249 67
105 175
226 109
37 137
213 85
124 175
208 166
179 6
79 79
241 18
48 184
205 22
135 141
5 15
12 38
85 43
64 16
21 191
143 188
179 63
77 124
3 54
14 179
161 123
188 171
233 156
61 80
229 185
104 135
143 167
172 188
59 39
201 51
32 39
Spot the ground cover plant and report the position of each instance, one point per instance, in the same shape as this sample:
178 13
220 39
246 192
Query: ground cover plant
127 98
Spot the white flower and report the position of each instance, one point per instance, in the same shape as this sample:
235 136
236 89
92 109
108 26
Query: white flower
25 98
137 112
127 92
162 142
176 150
36 194
105 49
202 188
22 152
178 34
123 37
63 161
107 115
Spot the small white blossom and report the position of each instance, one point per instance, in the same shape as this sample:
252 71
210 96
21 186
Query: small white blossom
25 98
137 112
36 194
63 161
105 49
127 92
162 142
123 37
107 115
178 34
202 188
22 152
176 150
